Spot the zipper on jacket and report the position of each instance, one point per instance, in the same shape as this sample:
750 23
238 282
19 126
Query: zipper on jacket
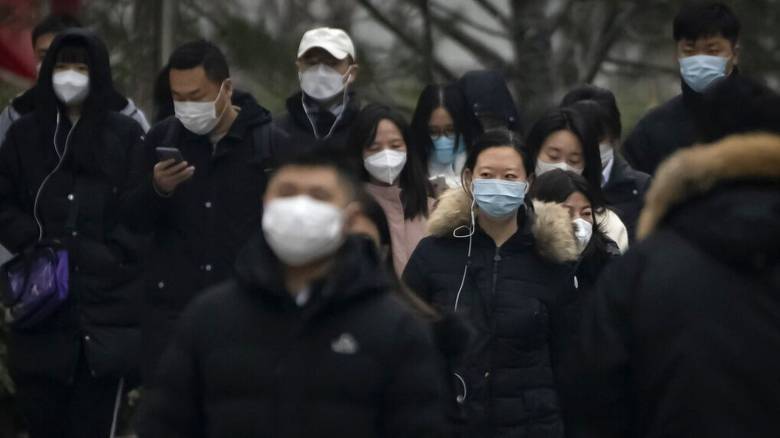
496 260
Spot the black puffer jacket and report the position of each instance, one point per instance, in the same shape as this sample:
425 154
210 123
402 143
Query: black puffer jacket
681 337
84 205
666 129
625 193
248 362
297 127
511 295
199 230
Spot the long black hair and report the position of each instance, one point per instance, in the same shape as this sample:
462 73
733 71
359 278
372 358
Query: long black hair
437 96
414 183
609 114
574 120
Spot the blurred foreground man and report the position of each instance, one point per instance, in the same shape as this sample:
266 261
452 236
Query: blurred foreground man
682 336
307 340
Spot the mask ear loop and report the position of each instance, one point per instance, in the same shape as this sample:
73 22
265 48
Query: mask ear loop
471 229
335 122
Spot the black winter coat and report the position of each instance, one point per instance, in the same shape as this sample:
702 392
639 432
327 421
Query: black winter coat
83 205
664 130
511 295
298 130
625 193
248 362
199 230
681 337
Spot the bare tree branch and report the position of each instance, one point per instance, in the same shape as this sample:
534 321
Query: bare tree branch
494 12
468 21
612 30
643 66
405 38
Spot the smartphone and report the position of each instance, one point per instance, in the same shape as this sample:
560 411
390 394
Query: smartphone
168 153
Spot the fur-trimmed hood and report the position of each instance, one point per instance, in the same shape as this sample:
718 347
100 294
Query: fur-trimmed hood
695 171
724 198
551 224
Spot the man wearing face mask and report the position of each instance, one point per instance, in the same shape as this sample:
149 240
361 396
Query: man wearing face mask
706 37
200 203
307 339
42 36
323 111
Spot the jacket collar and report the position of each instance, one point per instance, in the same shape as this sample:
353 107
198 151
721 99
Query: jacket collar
356 273
694 171
298 115
546 225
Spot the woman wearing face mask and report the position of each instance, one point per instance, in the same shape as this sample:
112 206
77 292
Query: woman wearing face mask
394 175
437 129
571 190
65 174
565 139
503 265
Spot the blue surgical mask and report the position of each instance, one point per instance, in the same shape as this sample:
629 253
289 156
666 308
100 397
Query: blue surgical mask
700 71
444 149
499 198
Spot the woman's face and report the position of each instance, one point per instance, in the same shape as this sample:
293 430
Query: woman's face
579 207
388 136
441 123
562 147
500 162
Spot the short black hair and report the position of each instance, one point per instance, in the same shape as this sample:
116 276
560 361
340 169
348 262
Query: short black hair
610 116
575 120
415 187
737 105
325 158
499 138
54 24
705 19
201 53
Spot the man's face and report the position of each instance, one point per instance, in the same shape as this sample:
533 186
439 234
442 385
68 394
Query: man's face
318 55
192 85
41 45
319 183
715 45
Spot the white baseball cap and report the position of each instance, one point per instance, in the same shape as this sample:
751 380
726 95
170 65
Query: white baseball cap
334 41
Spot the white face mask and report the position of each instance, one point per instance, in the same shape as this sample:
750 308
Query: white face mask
70 86
607 153
300 229
198 117
322 82
544 167
583 231
385 165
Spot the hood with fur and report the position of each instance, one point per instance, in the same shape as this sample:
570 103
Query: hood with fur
694 171
725 198
551 224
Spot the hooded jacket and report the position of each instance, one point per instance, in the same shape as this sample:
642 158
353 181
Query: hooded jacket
25 104
199 229
83 204
248 361
298 129
681 337
512 296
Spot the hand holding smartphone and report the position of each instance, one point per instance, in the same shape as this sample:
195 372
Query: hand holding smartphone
169 174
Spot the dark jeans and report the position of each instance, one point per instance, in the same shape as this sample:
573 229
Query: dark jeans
82 409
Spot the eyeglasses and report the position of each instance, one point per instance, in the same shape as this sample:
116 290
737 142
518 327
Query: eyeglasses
448 132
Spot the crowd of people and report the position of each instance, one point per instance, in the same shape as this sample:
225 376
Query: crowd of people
338 271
